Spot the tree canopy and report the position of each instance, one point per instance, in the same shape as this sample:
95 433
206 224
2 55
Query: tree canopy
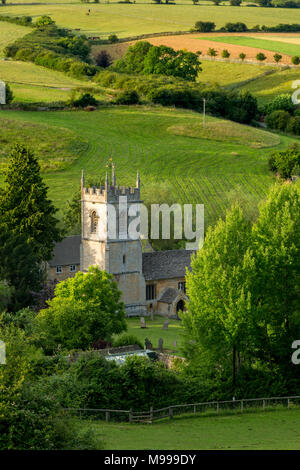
84 309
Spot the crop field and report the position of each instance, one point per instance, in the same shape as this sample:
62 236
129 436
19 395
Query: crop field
143 18
282 47
187 169
254 431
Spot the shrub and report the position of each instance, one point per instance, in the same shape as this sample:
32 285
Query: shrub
293 126
242 56
212 52
235 3
86 99
127 340
204 26
44 21
277 58
280 102
295 60
113 38
127 97
236 27
103 59
9 94
260 57
225 54
287 162
278 120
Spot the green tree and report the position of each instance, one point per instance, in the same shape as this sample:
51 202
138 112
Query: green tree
204 26
19 268
133 59
260 57
295 60
242 56
277 58
217 320
84 309
164 60
276 273
212 52
225 54
5 295
44 20
25 209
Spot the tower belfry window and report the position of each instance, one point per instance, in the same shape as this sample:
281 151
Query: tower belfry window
94 222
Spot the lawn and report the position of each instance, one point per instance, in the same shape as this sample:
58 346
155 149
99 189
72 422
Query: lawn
272 430
141 18
267 44
184 168
154 332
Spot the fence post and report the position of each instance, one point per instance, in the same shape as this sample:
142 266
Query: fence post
195 409
242 406
107 416
79 414
171 412
217 407
130 415
151 414
264 405
288 402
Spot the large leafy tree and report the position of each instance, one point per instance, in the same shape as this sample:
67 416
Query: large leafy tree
216 323
275 284
19 268
84 309
25 209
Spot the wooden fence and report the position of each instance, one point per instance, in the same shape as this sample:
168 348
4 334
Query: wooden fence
205 408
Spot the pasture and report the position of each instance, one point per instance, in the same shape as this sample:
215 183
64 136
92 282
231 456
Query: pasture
143 18
254 431
174 168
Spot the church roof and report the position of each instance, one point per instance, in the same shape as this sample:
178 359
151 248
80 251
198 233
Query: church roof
166 264
169 295
66 252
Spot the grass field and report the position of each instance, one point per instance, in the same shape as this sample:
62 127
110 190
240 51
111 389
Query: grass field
267 87
276 430
56 148
9 33
154 331
141 18
258 43
190 169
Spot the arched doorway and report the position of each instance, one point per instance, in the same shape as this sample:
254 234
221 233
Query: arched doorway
179 307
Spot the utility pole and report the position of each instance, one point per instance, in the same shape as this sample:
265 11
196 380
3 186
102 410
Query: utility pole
204 101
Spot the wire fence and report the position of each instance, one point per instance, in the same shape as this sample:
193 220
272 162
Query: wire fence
202 409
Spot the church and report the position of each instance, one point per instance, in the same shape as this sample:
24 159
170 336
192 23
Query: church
151 282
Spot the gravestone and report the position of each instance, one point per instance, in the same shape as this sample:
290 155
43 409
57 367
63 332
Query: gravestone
160 344
2 93
166 324
143 322
148 344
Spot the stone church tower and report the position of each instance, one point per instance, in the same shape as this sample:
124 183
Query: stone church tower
105 242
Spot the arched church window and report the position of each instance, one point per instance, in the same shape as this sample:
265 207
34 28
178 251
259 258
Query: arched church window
94 222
